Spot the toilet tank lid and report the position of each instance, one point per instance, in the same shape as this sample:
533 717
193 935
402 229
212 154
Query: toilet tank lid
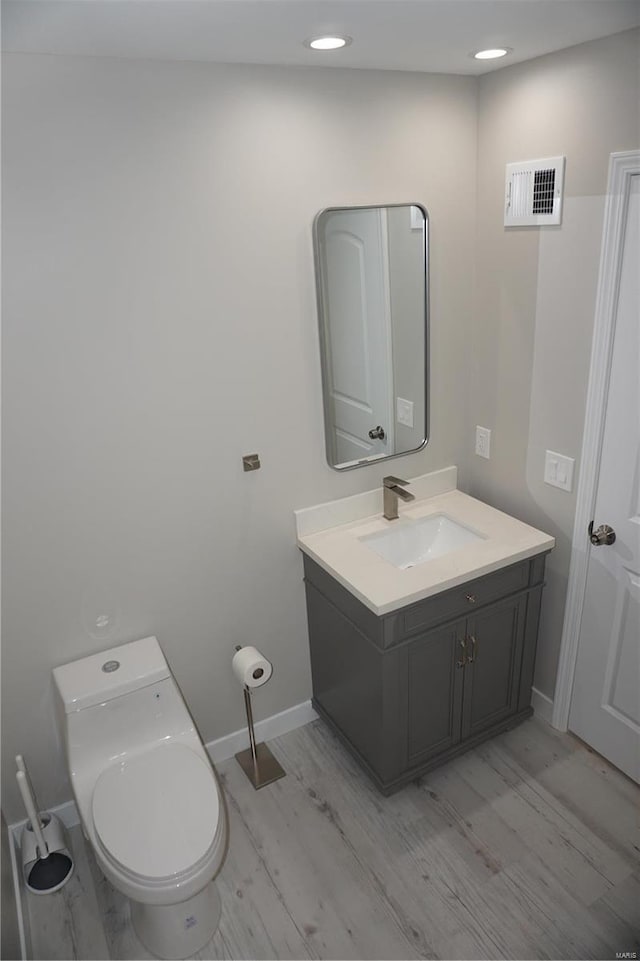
101 677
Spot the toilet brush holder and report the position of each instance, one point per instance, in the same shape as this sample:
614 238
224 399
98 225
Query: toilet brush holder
46 871
46 858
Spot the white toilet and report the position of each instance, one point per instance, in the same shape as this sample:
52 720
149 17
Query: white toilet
146 793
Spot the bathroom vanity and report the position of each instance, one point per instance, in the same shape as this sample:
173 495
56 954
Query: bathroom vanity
412 666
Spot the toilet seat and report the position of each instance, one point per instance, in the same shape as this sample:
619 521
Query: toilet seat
156 814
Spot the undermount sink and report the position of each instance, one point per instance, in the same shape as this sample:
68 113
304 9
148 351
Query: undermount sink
413 542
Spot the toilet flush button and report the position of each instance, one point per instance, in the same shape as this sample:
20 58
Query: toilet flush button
110 666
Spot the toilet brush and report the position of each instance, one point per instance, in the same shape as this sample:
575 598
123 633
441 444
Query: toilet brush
46 861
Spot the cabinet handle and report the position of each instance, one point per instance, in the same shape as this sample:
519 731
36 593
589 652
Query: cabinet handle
463 645
472 598
474 650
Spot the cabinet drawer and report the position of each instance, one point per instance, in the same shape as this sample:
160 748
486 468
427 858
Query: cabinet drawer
462 600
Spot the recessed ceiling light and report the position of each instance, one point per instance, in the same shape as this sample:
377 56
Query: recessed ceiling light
491 54
327 43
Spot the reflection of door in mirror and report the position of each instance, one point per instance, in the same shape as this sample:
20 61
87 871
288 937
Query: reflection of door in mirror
371 271
358 334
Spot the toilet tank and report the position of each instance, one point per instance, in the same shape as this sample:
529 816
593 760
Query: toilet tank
117 703
101 677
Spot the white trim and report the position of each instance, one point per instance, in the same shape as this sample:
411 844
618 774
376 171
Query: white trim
622 166
22 916
541 704
388 339
225 747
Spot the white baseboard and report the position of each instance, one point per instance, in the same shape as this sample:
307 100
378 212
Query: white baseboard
218 750
542 705
225 747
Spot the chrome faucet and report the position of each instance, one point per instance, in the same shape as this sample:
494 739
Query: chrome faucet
391 491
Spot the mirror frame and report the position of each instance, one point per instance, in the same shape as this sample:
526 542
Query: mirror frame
367 462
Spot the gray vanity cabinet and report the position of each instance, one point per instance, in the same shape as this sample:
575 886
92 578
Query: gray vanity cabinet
492 671
411 689
434 723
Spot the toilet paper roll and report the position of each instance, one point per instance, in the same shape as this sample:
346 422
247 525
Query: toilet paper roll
250 667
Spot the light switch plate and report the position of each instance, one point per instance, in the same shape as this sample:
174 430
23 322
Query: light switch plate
483 442
558 470
404 411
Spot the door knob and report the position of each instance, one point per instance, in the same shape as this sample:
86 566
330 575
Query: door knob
377 433
602 535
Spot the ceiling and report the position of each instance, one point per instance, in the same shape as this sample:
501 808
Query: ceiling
426 35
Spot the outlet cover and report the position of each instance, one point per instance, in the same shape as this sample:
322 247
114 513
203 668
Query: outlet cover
558 470
404 411
483 442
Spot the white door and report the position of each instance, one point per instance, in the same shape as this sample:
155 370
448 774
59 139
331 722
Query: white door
358 335
605 703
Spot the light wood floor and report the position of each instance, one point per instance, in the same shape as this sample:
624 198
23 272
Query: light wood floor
526 847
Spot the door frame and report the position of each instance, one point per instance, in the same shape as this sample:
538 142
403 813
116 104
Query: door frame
386 283
622 167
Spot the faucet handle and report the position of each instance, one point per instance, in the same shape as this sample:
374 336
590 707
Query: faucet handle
391 481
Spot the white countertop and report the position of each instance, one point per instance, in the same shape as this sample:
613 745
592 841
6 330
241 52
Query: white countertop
383 588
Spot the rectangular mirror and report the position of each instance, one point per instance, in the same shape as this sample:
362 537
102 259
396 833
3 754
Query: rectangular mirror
372 285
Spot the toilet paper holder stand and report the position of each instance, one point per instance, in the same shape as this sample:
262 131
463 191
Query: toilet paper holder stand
257 761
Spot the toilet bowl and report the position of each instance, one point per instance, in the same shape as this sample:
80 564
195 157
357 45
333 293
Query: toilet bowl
148 798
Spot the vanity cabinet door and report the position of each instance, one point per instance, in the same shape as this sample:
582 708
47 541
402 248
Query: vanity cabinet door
435 679
494 640
347 673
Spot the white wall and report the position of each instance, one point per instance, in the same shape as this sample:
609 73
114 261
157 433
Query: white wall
535 291
159 322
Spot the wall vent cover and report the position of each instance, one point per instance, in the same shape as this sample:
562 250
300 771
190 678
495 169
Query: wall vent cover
533 192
